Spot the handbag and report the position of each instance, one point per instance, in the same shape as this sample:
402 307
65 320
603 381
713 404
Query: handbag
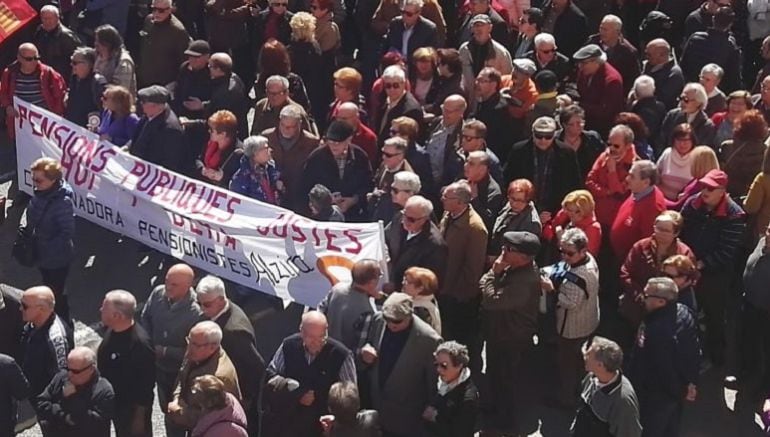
25 247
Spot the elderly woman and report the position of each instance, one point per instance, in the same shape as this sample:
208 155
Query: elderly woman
741 157
305 57
50 218
221 414
274 60
346 419
320 202
86 87
221 156
257 177
710 77
423 75
586 144
519 214
645 261
758 200
674 164
644 103
347 88
422 285
113 60
738 102
704 159
577 211
682 270
692 103
453 410
118 121
327 33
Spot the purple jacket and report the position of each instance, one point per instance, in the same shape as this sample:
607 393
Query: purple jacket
227 422
119 131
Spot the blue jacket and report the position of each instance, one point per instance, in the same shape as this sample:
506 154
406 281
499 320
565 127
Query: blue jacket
55 228
666 356
246 180
714 236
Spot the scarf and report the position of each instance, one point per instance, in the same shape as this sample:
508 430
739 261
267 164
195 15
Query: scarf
212 156
480 54
446 387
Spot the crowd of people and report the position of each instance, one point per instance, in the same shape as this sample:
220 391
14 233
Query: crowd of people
586 178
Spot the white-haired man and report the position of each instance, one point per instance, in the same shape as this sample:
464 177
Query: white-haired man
55 41
547 57
398 101
127 360
204 356
662 67
267 110
621 54
646 104
410 31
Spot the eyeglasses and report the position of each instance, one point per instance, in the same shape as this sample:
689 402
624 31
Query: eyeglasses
567 252
390 155
275 93
413 219
614 146
408 13
394 85
685 99
157 9
441 365
542 136
395 190
29 58
79 371
206 304
469 137
547 52
517 200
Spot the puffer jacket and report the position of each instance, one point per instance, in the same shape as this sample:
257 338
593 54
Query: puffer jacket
54 227
227 422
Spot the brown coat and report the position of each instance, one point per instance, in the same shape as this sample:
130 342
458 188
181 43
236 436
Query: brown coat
219 365
741 160
290 163
466 239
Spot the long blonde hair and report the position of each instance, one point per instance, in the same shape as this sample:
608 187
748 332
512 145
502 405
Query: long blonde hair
703 161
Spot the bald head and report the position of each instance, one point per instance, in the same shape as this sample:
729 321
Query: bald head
313 319
179 280
349 113
658 51
314 331
453 108
37 304
41 295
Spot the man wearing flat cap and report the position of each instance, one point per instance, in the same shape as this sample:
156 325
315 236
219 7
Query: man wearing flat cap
665 361
193 79
397 357
600 87
521 94
713 228
343 168
159 138
509 310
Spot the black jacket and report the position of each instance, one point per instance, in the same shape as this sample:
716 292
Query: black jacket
191 83
127 361
457 411
408 106
161 141
427 249
85 97
89 410
570 29
713 46
702 126
591 147
444 87
651 111
669 82
424 34
229 93
494 113
11 323
240 344
13 387
260 22
56 48
306 59
45 352
564 173
561 66
714 236
488 202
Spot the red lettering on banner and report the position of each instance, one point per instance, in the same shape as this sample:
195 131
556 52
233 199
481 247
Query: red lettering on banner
351 234
137 170
330 236
22 110
33 115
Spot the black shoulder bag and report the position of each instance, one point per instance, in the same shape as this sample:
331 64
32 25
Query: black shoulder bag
25 247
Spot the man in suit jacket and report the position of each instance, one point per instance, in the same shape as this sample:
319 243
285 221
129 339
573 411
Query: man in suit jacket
569 25
500 30
397 356
159 137
398 102
238 341
410 31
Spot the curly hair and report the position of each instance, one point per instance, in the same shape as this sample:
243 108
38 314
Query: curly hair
224 121
751 126
635 122
303 27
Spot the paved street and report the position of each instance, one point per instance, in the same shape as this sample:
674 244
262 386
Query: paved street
105 261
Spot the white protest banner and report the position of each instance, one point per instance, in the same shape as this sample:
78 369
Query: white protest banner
258 245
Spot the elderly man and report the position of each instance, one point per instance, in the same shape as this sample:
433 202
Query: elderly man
486 196
646 104
348 304
636 215
714 45
268 109
521 94
32 81
713 228
500 28
14 388
608 403
343 168
299 376
509 309
159 138
193 79
397 357
665 361
419 242
498 57
663 68
621 54
380 205
46 338
170 312
290 146
204 356
546 57
443 140
410 31
55 41
575 281
398 102
607 179
491 109
127 361
405 185
600 87
466 240
755 314
238 338
78 401
164 41
691 110
86 87
567 23
363 137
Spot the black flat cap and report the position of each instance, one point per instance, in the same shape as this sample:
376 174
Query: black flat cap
588 52
339 131
522 242
154 94
198 47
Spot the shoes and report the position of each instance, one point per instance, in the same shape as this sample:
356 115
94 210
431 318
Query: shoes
731 382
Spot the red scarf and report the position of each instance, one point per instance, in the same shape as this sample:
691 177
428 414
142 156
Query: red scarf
212 156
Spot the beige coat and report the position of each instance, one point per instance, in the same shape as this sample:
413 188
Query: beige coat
466 239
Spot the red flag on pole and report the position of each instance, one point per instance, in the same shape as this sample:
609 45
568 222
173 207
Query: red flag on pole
14 14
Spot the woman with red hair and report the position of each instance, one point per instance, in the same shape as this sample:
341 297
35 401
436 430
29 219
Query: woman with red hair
519 214
741 157
274 60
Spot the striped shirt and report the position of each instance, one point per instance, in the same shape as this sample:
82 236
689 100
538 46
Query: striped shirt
28 88
347 370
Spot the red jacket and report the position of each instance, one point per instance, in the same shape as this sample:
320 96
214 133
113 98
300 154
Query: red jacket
601 95
635 220
589 225
609 189
367 140
642 264
52 86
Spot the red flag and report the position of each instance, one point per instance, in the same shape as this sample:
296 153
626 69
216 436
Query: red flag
14 14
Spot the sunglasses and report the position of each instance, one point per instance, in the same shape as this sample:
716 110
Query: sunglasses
395 190
413 219
442 366
157 9
394 85
685 99
541 136
390 155
30 58
407 13
567 252
79 371
614 146
469 137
